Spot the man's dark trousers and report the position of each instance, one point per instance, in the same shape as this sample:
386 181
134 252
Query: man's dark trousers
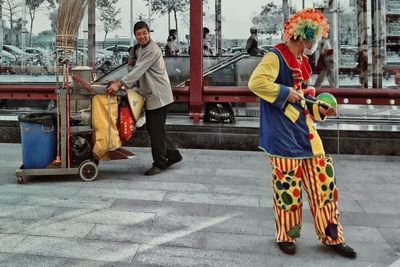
162 148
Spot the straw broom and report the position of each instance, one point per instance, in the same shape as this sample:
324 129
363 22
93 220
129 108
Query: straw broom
70 14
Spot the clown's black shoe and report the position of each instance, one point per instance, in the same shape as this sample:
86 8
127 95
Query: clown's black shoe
344 250
287 247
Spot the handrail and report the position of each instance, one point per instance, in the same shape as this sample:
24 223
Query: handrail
217 94
220 65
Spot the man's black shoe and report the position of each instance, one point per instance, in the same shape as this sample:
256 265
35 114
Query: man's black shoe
172 162
287 247
344 250
153 171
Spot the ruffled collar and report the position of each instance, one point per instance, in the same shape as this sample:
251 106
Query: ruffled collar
301 69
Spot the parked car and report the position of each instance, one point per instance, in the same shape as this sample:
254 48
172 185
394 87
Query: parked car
102 55
19 54
45 57
75 58
7 59
120 49
235 49
36 50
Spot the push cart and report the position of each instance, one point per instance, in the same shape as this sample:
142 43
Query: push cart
87 169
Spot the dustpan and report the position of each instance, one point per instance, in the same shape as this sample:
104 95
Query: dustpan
116 153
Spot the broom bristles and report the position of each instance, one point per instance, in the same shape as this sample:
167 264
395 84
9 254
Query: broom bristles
70 14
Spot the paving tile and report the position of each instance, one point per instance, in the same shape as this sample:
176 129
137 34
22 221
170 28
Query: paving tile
381 207
93 263
157 185
242 212
26 212
238 225
148 235
14 226
241 189
11 198
176 256
9 242
391 235
39 189
77 248
371 219
18 260
59 229
216 199
123 194
236 242
71 202
162 208
115 217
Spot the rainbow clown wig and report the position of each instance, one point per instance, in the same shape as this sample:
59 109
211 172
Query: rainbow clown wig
308 24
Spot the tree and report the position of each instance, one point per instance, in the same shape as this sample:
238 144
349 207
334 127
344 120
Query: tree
145 17
1 28
12 8
166 6
33 5
53 3
18 28
53 20
108 16
270 19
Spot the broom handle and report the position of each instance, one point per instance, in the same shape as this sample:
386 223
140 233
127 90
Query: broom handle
109 121
58 106
68 114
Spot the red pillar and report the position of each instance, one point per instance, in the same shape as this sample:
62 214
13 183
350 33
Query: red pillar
196 60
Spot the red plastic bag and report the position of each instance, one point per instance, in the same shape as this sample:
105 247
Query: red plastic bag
126 121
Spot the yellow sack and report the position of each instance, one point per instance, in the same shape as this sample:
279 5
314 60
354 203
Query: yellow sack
100 125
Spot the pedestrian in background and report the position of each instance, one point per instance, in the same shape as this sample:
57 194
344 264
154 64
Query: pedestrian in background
252 43
324 63
207 50
289 137
171 48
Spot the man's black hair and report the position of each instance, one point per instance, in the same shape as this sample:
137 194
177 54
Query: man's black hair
172 32
205 31
140 25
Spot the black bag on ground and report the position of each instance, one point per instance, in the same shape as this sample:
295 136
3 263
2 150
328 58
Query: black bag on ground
81 150
219 112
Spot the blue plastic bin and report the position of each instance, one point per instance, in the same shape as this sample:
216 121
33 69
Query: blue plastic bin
38 139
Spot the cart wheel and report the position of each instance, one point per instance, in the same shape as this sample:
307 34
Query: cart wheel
88 171
20 180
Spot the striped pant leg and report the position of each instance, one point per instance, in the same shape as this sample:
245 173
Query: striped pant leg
287 199
319 183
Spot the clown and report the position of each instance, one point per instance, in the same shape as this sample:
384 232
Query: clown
288 135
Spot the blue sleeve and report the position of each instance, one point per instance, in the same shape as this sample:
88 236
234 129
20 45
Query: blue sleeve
283 94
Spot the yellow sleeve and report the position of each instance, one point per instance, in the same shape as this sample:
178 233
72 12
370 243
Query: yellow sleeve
262 81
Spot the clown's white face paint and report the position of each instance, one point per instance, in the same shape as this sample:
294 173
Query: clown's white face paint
310 47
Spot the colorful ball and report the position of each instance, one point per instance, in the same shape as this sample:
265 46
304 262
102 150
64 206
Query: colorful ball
328 99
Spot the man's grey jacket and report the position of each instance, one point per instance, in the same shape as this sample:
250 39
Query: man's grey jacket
152 75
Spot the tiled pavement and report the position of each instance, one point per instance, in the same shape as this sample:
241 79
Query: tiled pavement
213 209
